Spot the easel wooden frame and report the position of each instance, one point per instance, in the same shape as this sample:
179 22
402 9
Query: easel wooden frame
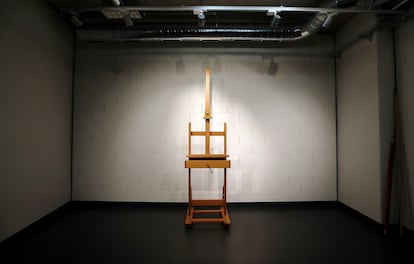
207 160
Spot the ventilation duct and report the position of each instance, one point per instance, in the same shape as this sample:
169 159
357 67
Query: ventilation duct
321 20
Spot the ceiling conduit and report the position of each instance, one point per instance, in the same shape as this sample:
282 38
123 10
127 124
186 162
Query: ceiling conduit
229 33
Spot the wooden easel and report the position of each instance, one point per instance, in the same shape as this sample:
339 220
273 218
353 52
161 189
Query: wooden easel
209 161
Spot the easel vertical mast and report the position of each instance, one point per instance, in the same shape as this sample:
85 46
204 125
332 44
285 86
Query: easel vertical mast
207 112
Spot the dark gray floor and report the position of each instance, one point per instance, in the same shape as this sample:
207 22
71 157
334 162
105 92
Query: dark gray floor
155 233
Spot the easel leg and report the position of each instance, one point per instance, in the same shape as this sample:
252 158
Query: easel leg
226 217
224 191
189 190
189 215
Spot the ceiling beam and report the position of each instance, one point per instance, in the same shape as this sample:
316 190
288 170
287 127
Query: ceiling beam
264 9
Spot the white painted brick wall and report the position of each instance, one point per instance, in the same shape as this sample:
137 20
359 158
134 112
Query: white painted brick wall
132 113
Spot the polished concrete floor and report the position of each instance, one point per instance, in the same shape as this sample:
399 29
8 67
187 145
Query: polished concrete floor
83 232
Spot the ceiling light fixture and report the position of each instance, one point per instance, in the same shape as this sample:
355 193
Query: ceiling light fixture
275 20
276 17
201 16
127 19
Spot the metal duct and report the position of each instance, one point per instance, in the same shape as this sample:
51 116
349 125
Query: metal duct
318 20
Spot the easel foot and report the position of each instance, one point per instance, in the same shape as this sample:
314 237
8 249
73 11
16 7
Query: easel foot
190 219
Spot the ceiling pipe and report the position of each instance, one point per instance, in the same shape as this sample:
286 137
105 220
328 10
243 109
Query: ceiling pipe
245 9
380 3
188 34
275 18
403 2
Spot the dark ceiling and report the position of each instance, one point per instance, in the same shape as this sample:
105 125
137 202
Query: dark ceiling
90 17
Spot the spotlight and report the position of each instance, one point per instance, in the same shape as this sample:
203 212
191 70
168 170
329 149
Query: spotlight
275 20
76 21
128 20
201 16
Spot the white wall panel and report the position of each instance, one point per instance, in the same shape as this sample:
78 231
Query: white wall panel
365 84
358 129
132 112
